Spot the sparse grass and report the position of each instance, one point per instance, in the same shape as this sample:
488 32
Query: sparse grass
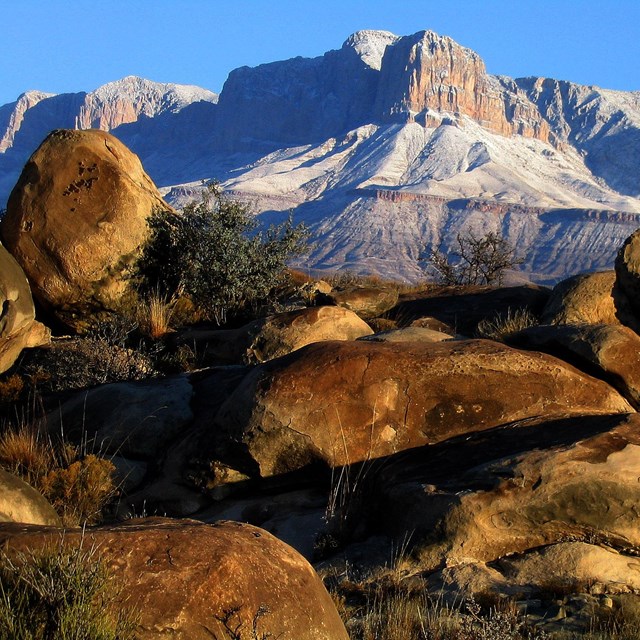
78 485
60 593
501 326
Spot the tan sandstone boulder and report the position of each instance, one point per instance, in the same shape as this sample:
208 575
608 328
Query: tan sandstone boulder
20 502
609 351
18 326
185 577
276 335
345 402
367 302
76 220
585 298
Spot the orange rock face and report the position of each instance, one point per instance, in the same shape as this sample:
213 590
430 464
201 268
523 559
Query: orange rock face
184 577
433 73
345 402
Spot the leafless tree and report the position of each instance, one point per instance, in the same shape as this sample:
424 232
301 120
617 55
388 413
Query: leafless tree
475 260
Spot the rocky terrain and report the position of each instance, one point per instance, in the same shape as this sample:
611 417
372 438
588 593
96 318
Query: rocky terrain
381 434
387 148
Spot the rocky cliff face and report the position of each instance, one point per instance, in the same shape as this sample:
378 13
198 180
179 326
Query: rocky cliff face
407 117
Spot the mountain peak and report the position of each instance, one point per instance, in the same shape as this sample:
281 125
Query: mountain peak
370 45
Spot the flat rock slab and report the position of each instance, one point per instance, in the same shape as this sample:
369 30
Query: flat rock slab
184 577
519 488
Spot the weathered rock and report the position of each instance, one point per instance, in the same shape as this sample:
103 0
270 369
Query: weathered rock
18 326
277 335
345 402
76 220
628 271
565 563
185 577
367 302
136 419
20 502
585 298
518 488
611 352
409 334
462 309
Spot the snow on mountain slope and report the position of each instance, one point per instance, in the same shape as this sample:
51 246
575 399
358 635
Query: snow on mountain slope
387 148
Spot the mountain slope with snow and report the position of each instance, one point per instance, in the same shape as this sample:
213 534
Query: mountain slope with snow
387 148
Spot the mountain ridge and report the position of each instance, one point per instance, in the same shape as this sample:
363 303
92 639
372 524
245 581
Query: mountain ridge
412 114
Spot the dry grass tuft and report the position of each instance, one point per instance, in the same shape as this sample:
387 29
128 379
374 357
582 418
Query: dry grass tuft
155 314
501 326
61 593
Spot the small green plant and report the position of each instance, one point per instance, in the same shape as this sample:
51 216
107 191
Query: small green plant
61 593
503 325
213 252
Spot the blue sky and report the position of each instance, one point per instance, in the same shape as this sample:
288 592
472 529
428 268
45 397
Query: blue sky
60 46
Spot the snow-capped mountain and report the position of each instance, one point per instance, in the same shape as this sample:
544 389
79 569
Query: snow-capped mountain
386 148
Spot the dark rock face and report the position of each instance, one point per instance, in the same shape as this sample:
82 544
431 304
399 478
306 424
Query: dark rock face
185 577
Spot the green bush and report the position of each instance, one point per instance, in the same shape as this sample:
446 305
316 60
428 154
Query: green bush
213 253
61 593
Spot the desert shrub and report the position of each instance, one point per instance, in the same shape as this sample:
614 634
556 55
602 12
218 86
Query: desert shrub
105 354
503 325
213 253
60 593
475 261
78 486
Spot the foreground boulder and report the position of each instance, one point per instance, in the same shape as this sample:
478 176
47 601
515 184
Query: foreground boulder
345 402
18 326
20 502
76 220
185 578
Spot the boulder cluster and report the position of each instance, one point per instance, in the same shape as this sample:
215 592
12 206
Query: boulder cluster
366 416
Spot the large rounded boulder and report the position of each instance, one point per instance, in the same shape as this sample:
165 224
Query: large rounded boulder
189 580
76 220
18 326
347 402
